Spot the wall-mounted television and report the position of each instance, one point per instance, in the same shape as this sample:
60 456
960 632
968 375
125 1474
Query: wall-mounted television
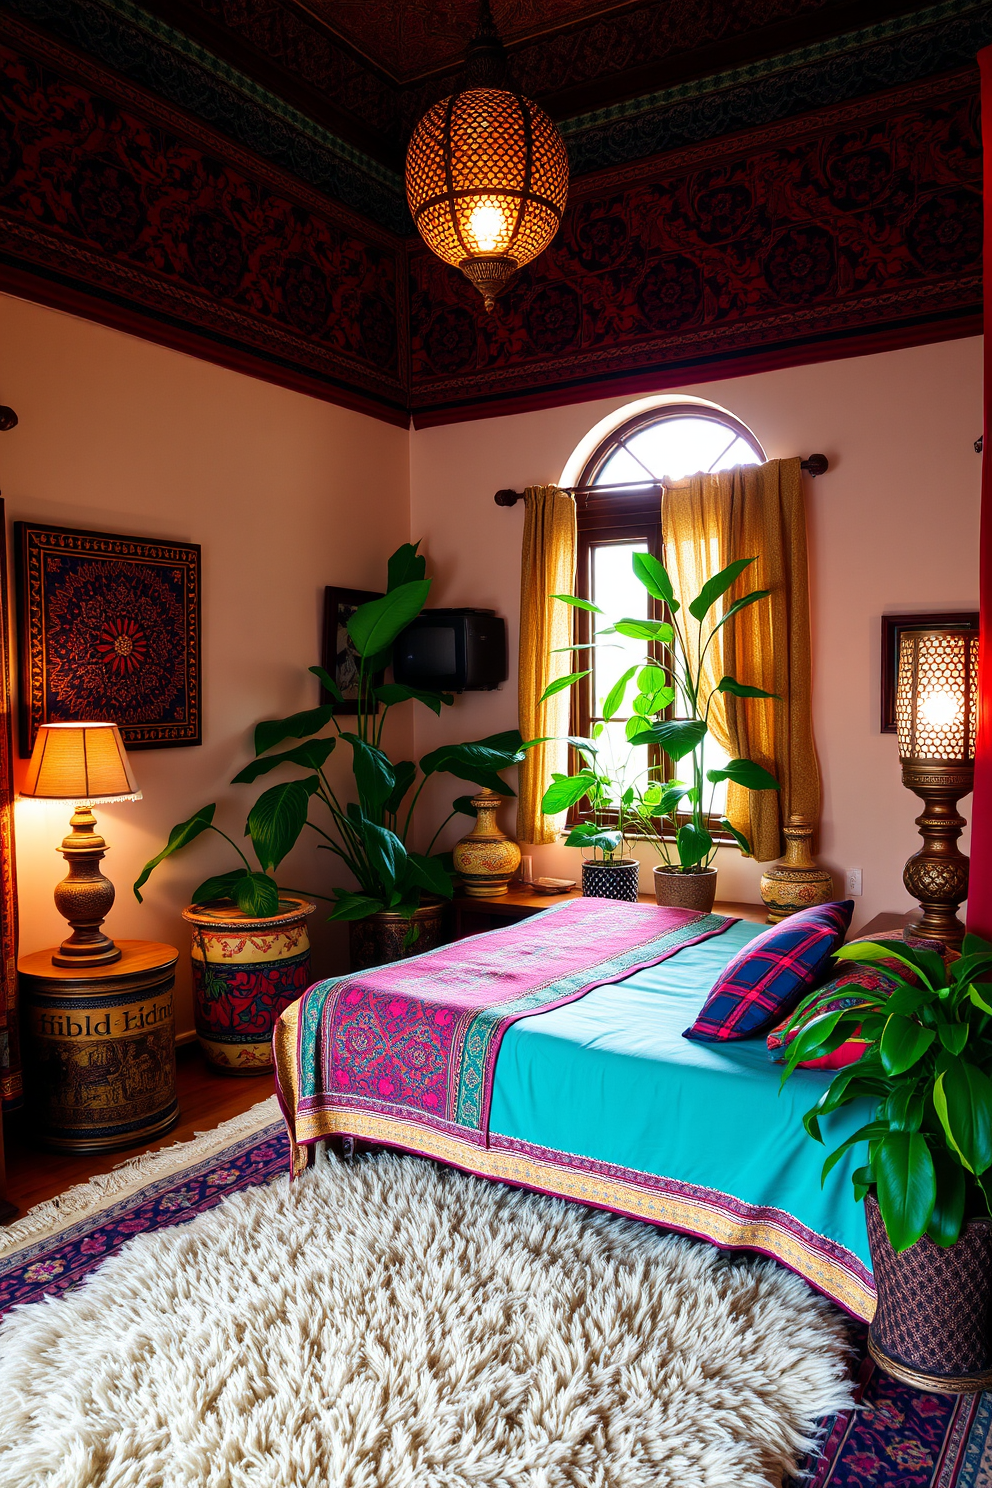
452 651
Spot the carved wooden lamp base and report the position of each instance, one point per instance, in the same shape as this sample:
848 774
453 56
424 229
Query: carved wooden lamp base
937 875
85 896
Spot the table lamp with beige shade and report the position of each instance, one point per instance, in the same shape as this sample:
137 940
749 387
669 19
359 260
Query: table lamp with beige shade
82 764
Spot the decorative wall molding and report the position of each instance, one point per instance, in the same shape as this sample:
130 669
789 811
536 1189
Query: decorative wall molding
113 200
860 223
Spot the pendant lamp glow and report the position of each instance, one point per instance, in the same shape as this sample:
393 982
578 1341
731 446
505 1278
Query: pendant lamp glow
487 182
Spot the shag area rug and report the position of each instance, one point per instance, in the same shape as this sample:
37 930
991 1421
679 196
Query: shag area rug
192 1321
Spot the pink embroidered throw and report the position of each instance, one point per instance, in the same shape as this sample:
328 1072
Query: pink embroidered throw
418 1039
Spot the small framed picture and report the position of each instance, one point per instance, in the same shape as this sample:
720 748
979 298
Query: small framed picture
892 629
337 653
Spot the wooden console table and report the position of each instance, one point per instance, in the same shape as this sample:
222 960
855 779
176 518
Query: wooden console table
473 916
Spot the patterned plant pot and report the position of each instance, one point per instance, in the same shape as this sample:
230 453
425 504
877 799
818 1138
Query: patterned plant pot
685 890
378 939
611 880
933 1321
245 971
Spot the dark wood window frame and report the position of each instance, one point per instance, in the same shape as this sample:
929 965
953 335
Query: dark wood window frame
616 514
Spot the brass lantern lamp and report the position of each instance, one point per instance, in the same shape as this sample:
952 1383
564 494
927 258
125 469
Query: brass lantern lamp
936 704
486 174
82 764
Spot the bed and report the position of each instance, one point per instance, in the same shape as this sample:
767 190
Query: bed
601 1100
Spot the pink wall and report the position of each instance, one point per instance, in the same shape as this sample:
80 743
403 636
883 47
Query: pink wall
284 492
893 527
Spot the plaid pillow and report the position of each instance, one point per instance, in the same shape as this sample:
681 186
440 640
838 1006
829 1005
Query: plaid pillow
771 974
842 990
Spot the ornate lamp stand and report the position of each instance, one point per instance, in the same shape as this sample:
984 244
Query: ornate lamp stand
937 875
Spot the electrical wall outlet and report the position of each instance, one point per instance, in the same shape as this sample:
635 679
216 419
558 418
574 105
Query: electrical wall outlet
852 882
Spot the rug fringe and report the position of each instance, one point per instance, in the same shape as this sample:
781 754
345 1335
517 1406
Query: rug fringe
86 1198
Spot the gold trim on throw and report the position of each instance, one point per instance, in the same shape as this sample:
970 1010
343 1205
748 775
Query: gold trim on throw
696 1215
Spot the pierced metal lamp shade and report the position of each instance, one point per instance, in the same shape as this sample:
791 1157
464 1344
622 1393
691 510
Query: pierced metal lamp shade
487 182
935 695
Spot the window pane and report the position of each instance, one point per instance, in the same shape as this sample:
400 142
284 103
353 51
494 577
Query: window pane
620 597
621 469
739 453
674 447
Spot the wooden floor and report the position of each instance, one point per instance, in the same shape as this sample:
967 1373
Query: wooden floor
206 1098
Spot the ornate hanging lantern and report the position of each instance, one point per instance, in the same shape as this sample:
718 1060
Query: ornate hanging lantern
486 174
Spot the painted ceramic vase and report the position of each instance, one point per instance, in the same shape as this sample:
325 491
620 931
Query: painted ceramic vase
245 972
797 882
486 859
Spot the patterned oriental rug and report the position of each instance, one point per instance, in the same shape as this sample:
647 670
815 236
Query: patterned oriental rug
893 1437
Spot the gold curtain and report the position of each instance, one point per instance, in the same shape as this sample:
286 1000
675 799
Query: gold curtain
547 567
709 521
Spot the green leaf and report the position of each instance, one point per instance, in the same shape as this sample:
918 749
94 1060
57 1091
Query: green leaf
560 683
953 1036
974 945
586 748
221 886
906 1186
652 679
654 576
385 852
276 821
717 585
746 773
740 689
677 736
565 790
297 726
328 683
406 566
587 834
578 604
903 1042
374 626
962 1098
256 894
673 793
903 1107
948 1211
742 604
352 906
404 773
870 1132
312 755
616 694
374 775
180 835
738 837
464 805
693 844
429 874
644 630
979 1001
478 762
396 692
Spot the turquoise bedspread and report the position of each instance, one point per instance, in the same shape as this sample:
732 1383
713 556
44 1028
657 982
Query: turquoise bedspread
610 1077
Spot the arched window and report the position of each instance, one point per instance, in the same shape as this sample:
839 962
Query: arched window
618 498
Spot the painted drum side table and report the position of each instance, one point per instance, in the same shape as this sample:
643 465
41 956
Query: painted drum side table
101 1048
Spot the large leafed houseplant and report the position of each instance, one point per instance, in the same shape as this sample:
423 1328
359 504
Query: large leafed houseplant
370 834
925 1076
625 796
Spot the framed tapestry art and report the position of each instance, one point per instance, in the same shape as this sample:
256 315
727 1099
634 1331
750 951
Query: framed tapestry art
110 631
337 653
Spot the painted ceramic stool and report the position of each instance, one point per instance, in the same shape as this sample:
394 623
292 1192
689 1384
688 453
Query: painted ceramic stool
245 972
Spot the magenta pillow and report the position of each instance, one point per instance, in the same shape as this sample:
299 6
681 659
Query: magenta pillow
771 974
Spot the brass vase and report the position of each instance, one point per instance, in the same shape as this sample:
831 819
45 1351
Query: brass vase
797 882
486 859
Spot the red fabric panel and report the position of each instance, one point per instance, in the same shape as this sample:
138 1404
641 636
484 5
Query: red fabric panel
980 887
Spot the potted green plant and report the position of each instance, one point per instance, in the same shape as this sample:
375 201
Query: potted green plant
927 1179
625 801
400 893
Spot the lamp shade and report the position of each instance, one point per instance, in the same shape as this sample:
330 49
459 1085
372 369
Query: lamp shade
80 762
936 695
487 182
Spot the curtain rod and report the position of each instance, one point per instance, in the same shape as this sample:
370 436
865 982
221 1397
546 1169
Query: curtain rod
815 465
